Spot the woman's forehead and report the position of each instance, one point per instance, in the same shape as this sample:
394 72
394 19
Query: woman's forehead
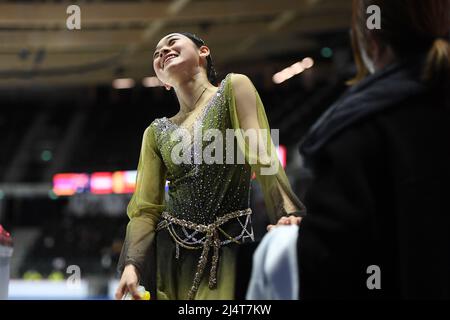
167 38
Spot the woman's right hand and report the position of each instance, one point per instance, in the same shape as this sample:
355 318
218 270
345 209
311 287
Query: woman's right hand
284 221
128 283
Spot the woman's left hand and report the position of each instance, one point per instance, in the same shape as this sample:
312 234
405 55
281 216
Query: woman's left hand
284 221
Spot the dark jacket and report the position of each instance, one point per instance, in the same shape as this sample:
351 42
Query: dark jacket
380 158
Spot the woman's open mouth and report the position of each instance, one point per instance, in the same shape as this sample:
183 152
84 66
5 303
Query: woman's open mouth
168 58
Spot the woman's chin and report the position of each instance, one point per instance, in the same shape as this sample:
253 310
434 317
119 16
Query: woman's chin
172 65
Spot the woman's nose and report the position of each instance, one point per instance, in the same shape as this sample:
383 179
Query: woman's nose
163 52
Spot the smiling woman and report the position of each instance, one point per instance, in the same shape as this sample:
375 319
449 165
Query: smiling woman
207 214
173 38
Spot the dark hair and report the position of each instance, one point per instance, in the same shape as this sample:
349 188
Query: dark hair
408 26
210 70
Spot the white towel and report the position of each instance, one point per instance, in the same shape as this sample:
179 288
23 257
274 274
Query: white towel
275 269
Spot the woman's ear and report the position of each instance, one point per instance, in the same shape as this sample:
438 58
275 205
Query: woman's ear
204 51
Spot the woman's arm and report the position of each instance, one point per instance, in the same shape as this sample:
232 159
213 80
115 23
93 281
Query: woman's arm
144 210
248 114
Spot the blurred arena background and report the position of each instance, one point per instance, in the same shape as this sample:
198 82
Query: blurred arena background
74 105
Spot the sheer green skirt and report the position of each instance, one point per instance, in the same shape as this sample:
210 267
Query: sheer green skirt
174 276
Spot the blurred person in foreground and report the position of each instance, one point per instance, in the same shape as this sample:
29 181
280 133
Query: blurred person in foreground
207 215
378 223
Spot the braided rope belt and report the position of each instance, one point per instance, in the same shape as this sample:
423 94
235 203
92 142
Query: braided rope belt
210 240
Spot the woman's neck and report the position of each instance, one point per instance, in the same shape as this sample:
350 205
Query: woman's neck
193 92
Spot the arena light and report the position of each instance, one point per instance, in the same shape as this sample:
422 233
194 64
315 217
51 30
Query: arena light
278 78
326 52
282 155
123 83
297 68
67 184
151 82
124 181
308 62
293 70
118 182
101 182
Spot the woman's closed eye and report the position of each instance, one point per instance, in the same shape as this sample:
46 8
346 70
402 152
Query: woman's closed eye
171 42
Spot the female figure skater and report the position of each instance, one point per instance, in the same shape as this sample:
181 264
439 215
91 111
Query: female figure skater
207 213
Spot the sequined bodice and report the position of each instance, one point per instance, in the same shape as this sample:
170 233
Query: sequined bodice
199 191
